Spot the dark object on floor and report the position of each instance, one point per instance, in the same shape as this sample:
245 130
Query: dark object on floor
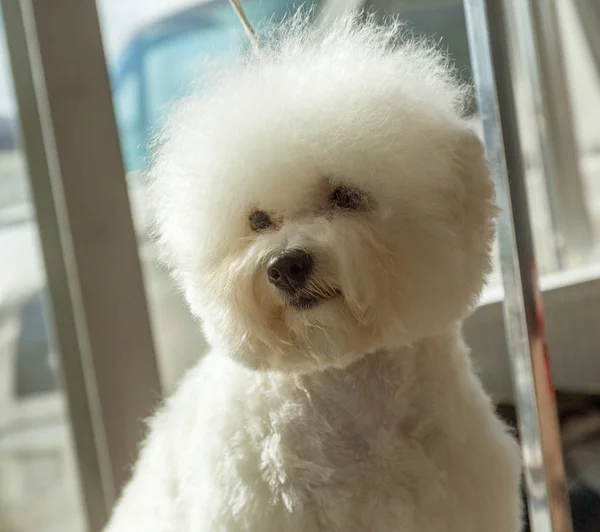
585 509
580 426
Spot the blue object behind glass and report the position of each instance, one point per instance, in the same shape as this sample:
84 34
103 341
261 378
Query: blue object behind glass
163 61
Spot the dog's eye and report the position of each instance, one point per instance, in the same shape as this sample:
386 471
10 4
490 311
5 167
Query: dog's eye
259 221
348 198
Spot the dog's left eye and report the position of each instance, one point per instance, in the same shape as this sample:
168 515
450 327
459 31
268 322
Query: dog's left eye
348 198
259 221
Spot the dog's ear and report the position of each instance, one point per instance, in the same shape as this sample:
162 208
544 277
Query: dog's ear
474 172
470 156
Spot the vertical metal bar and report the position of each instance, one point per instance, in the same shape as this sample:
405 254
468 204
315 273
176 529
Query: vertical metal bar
523 314
538 39
67 316
88 238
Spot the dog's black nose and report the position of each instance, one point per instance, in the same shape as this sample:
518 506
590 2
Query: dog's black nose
289 270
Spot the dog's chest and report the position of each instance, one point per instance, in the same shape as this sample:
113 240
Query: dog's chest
351 462
394 456
331 462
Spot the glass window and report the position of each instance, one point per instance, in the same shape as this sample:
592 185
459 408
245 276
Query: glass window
183 57
38 479
579 32
129 114
163 58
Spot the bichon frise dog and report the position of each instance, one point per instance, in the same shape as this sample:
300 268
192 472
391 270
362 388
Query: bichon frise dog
329 217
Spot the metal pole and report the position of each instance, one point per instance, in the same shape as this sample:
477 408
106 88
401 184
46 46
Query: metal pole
90 250
523 315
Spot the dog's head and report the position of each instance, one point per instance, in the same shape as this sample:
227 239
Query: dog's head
325 200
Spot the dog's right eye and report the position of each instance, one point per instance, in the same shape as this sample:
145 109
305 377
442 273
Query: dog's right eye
348 198
259 221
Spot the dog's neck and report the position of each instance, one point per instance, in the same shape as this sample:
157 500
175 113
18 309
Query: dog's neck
390 381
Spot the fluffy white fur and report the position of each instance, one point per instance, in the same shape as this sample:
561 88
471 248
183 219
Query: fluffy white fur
363 412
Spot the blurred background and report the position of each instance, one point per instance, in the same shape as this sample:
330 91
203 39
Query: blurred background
154 51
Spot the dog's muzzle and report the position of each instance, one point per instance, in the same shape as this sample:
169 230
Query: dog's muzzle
290 270
292 274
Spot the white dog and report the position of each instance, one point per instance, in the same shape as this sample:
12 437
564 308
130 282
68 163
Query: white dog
329 216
